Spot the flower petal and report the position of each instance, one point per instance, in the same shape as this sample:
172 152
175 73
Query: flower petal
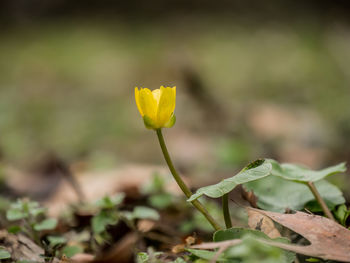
137 99
166 105
148 104
156 95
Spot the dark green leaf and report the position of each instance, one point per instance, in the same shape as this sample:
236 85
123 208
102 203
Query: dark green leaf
300 173
227 185
276 194
14 229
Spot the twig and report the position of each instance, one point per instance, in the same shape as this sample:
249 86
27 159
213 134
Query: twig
320 200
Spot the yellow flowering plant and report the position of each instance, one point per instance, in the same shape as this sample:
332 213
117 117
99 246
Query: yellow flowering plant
157 110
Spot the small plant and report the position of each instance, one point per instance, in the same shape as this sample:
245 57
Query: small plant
30 218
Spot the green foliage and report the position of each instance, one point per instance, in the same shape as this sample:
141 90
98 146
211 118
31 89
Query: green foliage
205 254
24 209
142 257
142 212
300 173
4 254
342 213
110 202
263 169
102 220
251 249
240 233
47 224
161 201
14 229
107 214
277 194
70 251
32 216
56 240
150 256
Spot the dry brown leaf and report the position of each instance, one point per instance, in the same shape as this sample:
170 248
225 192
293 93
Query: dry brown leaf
328 239
262 223
21 247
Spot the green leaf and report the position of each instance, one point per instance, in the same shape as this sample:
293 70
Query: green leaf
258 170
4 254
179 260
276 194
254 250
15 214
312 260
205 254
56 240
300 173
14 229
37 211
161 201
102 220
342 214
47 224
242 233
142 257
110 202
143 212
70 251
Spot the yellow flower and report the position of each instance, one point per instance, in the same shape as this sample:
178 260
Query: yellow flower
157 106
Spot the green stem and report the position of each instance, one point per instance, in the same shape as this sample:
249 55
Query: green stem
319 199
226 211
182 184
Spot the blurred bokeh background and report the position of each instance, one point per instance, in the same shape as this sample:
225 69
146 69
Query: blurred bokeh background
254 79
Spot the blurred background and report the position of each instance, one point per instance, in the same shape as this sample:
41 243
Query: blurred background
254 79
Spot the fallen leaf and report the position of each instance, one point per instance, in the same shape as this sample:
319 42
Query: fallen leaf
329 240
263 223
